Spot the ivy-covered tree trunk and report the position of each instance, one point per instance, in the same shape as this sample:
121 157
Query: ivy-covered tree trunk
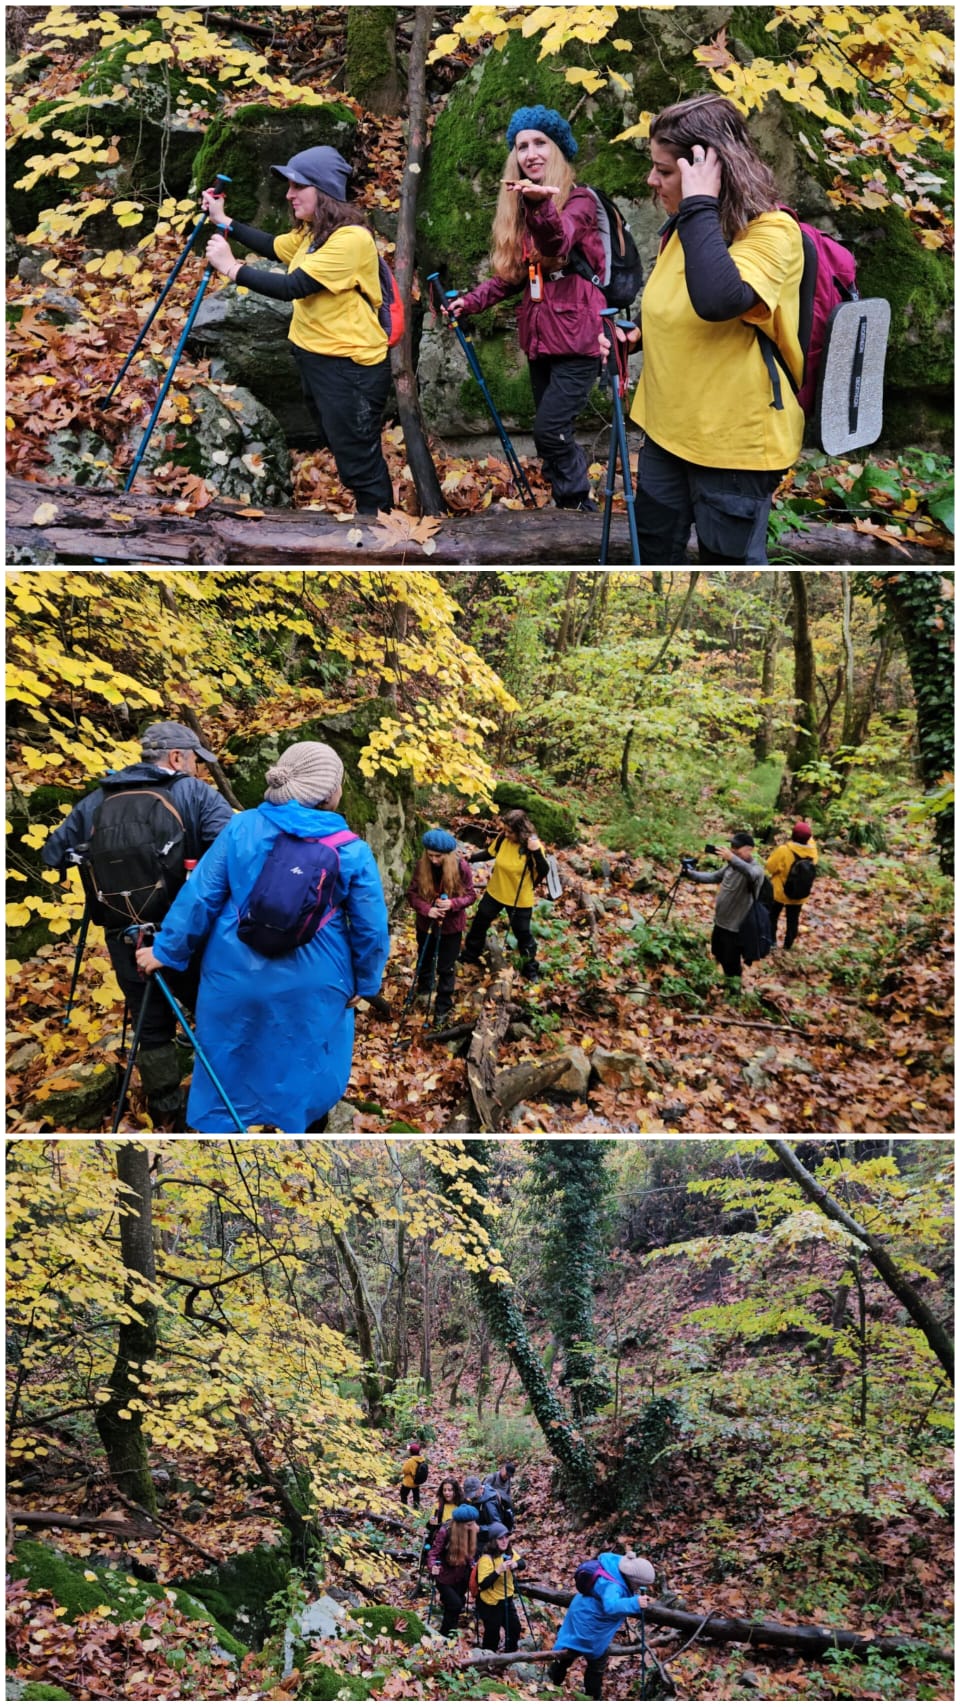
805 747
920 602
370 74
570 1186
502 1314
763 739
118 1419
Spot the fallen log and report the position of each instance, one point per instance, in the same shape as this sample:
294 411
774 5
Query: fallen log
85 1520
529 1079
78 525
490 1030
497 1662
69 524
811 1639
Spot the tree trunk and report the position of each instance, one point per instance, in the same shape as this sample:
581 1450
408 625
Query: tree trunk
569 1180
804 749
136 529
502 1313
935 1334
921 605
121 1435
431 499
811 1639
849 703
364 1319
370 73
763 738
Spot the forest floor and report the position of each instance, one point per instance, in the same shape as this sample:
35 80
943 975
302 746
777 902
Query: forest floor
850 1031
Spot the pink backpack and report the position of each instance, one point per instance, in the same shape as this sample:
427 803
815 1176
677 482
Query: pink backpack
829 278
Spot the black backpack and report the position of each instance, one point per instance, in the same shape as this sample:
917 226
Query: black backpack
622 270
799 879
421 1473
138 844
766 896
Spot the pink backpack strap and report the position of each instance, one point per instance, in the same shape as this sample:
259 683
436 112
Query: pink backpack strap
338 838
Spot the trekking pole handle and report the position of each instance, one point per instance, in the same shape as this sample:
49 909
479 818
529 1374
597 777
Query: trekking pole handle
214 189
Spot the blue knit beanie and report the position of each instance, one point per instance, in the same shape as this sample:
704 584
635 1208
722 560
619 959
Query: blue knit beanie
466 1514
439 841
547 120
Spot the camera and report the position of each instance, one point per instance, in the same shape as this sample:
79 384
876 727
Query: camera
687 863
709 848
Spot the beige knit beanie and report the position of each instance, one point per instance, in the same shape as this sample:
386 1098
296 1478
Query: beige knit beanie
308 772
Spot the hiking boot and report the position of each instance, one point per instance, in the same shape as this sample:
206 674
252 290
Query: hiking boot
531 969
441 1016
469 959
160 1078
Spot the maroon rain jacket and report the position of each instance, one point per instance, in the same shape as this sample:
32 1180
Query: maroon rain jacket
455 919
567 320
452 1576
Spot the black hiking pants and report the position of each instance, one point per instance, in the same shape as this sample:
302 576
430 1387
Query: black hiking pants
561 386
453 1601
157 1057
503 1616
447 954
725 947
347 401
593 1671
775 908
411 1494
519 918
729 507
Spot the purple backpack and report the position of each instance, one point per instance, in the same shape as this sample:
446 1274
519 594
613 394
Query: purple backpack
587 1575
298 891
829 278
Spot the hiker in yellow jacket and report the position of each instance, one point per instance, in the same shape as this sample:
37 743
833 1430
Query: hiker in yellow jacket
790 869
519 864
495 1586
413 1475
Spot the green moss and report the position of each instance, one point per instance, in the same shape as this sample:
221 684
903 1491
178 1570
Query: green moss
322 1683
44 1692
918 283
44 1567
555 824
236 1593
384 1620
909 418
371 66
246 143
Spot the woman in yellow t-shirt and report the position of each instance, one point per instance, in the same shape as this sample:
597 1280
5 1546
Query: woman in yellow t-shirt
518 865
495 1590
716 438
333 281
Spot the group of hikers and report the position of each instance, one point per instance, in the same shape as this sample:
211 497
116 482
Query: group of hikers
270 925
470 1559
726 278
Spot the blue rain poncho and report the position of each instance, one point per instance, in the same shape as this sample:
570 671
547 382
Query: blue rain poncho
278 1033
593 1620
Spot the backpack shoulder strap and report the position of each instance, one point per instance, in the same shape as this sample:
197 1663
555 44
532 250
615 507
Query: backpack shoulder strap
339 838
157 793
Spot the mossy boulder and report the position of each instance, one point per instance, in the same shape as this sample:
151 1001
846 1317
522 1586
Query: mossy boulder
75 1098
236 1593
16 1690
245 337
555 824
400 1622
381 809
247 142
322 1683
45 1567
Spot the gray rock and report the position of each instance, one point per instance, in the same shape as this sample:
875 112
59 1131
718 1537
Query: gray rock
518 1030
580 866
82 1107
245 339
621 1069
577 1075
22 1057
340 1118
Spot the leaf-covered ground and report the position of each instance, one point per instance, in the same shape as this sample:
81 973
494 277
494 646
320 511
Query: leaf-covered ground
851 1031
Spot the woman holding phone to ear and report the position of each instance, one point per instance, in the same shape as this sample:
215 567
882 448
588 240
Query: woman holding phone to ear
730 261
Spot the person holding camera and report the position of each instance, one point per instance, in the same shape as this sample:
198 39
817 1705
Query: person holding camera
495 1590
519 864
543 219
740 885
333 281
719 432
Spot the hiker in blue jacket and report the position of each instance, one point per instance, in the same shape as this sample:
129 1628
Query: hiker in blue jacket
593 1619
278 1032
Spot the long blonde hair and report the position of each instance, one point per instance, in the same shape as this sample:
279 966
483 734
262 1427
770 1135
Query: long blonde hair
509 228
429 885
461 1545
747 187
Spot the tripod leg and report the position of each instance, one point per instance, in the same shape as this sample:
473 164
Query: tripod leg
81 942
131 1058
104 402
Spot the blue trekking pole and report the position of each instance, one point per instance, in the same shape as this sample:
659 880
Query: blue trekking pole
617 374
104 402
137 933
168 381
466 344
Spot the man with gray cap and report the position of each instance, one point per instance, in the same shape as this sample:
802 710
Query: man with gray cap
134 839
335 283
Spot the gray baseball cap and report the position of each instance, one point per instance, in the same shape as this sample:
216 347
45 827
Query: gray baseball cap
163 737
322 167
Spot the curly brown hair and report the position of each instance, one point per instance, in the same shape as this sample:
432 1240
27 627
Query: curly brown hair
747 187
331 216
